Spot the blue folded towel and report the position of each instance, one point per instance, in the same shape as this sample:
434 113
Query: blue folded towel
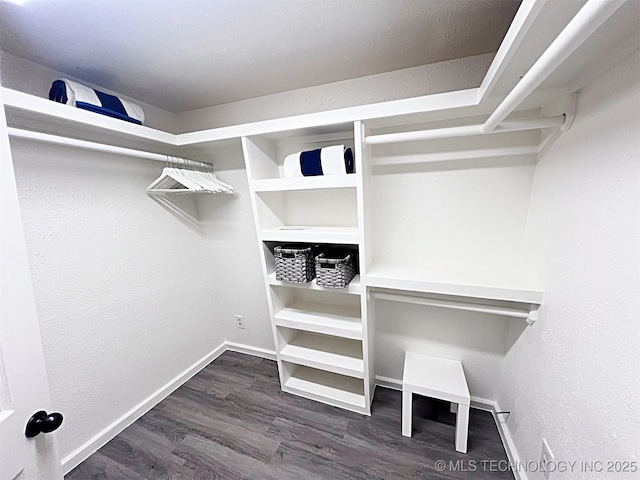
72 93
334 160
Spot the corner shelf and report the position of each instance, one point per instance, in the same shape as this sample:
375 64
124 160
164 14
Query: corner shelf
324 352
335 320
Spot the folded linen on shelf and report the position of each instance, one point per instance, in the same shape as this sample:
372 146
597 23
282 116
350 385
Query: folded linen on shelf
333 160
74 94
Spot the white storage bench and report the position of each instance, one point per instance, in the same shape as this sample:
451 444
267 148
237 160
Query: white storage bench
439 378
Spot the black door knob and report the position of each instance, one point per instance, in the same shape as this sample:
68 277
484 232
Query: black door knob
42 422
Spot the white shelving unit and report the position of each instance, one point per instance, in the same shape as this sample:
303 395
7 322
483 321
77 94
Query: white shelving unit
321 335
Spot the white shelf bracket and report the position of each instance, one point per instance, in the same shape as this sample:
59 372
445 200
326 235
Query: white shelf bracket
571 112
364 139
533 314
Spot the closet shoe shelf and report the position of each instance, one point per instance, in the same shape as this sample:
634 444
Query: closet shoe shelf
315 317
337 390
323 352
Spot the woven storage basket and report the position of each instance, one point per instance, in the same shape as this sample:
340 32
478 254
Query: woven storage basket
334 272
294 265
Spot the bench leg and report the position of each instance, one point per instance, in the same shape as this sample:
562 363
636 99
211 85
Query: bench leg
462 428
407 413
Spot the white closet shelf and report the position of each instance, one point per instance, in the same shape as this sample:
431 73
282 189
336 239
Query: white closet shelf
329 353
305 183
336 320
291 233
354 288
337 390
490 285
28 111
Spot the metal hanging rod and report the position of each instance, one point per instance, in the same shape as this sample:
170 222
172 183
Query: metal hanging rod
529 314
593 14
100 147
467 130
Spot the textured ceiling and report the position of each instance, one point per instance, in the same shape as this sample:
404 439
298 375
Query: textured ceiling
186 54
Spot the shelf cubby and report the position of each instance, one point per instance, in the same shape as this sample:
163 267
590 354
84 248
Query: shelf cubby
265 154
324 352
307 208
326 312
330 388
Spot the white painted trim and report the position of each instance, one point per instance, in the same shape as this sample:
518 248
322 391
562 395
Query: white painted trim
522 22
249 350
83 452
509 445
387 382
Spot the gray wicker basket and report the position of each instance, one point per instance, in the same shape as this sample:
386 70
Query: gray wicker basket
294 265
334 272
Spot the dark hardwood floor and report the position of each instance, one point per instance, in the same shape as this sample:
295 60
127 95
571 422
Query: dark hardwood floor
232 421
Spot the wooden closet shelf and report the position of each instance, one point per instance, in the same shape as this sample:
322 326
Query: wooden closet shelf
338 390
291 233
336 320
324 352
490 285
354 287
305 183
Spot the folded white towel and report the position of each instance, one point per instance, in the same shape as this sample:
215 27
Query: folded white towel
77 95
333 160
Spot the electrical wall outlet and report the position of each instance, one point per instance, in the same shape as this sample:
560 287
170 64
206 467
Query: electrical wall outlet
545 458
240 322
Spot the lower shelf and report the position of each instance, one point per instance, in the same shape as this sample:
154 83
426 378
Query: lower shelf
324 352
326 387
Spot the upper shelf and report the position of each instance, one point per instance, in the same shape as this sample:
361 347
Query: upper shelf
490 285
35 113
342 235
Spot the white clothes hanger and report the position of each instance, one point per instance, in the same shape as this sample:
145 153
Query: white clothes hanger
176 180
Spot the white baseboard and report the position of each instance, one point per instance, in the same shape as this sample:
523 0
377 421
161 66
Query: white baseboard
83 452
480 404
249 350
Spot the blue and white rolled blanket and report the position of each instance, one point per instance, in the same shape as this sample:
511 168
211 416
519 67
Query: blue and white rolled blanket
334 160
72 93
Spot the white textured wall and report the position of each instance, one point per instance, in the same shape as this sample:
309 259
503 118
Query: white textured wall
467 213
440 77
125 292
26 76
232 248
573 377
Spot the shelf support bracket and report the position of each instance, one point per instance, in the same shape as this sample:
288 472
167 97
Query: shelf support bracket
571 112
533 314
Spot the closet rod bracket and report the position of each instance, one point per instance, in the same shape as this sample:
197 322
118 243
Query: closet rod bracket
533 314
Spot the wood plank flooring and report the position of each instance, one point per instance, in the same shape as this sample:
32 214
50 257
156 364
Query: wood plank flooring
231 421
